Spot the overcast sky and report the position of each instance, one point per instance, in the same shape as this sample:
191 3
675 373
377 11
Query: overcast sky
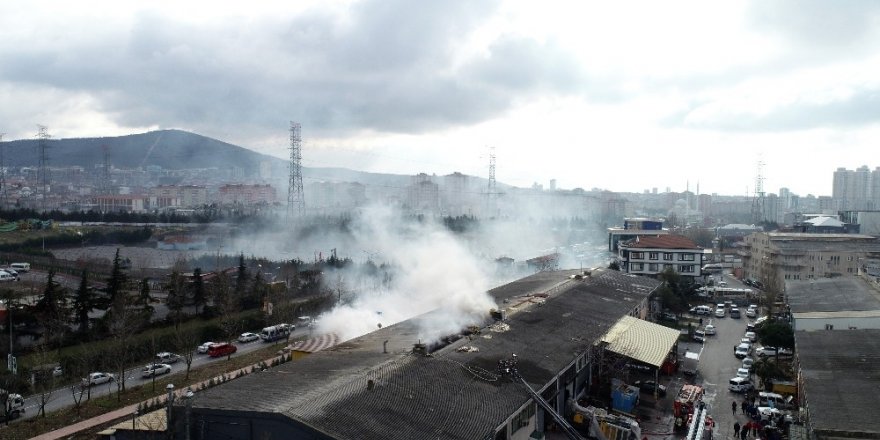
618 95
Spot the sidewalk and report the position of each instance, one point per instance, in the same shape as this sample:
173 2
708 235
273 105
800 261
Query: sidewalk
128 411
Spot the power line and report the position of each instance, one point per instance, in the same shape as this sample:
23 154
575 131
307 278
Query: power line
295 197
43 168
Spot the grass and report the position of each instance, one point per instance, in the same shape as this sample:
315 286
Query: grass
97 406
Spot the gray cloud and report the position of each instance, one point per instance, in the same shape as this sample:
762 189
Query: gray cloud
862 108
817 23
386 67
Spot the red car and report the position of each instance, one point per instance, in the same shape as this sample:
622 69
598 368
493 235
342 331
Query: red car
224 349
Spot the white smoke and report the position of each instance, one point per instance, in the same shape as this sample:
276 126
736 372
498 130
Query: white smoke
433 272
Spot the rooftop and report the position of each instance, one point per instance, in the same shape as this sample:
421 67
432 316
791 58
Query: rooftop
662 242
354 390
831 295
841 376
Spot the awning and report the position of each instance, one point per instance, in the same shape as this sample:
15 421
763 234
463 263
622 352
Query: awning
641 340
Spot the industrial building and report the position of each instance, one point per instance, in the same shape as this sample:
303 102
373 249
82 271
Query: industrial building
390 384
841 303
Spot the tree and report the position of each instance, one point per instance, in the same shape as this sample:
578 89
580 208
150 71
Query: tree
186 342
198 288
118 279
176 297
777 334
144 298
227 305
83 303
614 265
241 283
672 292
123 322
52 309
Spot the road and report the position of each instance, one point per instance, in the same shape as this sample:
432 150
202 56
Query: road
64 396
718 365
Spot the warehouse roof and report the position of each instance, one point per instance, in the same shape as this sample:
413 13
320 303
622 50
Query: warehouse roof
641 340
354 390
841 375
831 295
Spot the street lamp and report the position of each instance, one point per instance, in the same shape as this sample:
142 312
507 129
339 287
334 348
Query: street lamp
170 402
189 398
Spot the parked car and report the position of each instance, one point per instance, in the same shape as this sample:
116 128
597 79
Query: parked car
775 400
202 349
743 372
710 330
223 349
751 336
647 386
767 413
720 312
771 351
742 350
740 385
6 276
699 336
97 378
701 310
12 272
751 313
748 363
166 358
248 337
155 370
734 313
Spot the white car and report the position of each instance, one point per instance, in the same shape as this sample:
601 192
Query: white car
97 378
248 337
166 358
720 312
743 373
752 313
770 351
751 336
155 370
740 385
710 329
742 350
748 363
204 347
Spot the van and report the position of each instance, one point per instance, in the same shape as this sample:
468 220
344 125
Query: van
6 276
699 336
740 385
774 400
223 349
21 267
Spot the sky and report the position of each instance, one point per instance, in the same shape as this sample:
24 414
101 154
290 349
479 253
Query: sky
624 96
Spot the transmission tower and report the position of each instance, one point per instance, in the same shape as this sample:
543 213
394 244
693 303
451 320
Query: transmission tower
3 192
491 191
296 205
43 168
758 200
105 171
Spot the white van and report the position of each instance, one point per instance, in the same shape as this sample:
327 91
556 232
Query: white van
6 276
740 385
21 267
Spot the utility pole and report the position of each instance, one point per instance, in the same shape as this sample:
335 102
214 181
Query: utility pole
43 169
3 192
758 201
491 191
295 198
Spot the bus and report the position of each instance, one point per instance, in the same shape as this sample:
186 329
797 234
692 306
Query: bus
276 332
736 295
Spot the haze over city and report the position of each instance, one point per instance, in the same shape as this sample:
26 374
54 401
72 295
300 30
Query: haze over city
625 97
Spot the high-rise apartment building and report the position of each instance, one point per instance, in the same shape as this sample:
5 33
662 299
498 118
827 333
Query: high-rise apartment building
856 189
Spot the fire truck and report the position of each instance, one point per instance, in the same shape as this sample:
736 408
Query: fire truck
687 399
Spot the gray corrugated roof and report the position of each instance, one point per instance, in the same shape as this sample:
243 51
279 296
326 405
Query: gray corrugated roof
841 373
450 394
831 295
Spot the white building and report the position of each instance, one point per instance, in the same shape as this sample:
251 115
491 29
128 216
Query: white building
646 255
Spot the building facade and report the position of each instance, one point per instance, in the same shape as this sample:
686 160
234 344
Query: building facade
775 257
645 255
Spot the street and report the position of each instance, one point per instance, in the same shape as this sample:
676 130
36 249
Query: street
63 396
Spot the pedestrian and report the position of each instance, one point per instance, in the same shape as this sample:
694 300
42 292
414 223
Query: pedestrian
744 406
733 406
736 429
743 434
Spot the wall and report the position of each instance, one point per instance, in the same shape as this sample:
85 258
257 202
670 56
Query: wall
812 324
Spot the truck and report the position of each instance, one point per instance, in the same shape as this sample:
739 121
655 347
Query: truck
686 401
14 407
690 363
276 332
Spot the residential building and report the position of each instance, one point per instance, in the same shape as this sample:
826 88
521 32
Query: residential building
645 255
384 384
247 194
775 257
120 202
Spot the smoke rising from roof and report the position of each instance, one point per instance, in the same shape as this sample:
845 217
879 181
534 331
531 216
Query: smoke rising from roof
434 272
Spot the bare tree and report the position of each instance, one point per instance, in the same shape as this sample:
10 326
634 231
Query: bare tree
123 322
228 305
186 342
44 380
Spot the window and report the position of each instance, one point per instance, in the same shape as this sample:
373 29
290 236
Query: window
667 256
635 266
686 268
652 267
653 255
829 326
637 255
686 257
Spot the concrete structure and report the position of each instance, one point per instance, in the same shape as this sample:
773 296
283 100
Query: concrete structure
647 255
838 379
775 257
246 194
376 386
868 221
120 202
841 303
632 228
